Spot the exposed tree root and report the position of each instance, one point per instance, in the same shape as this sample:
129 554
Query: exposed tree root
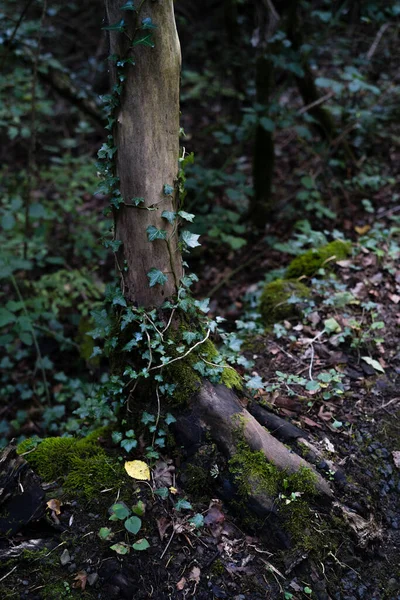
229 423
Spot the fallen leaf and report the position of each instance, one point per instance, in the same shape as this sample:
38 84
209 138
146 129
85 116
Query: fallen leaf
362 230
373 363
137 469
310 422
55 505
181 584
396 458
163 524
394 298
80 581
194 574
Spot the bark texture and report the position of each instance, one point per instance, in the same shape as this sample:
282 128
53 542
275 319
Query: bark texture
147 138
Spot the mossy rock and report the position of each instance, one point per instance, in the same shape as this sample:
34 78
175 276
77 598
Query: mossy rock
84 465
274 301
307 264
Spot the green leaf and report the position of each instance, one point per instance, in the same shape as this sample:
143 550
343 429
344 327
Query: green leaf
156 277
37 211
137 201
147 418
7 221
162 492
6 317
168 190
189 336
267 124
197 520
169 216
190 239
120 26
203 305
129 5
187 216
307 590
133 524
169 419
139 508
155 234
121 548
128 445
373 363
147 23
142 544
254 383
332 326
144 40
105 533
182 504
312 386
120 511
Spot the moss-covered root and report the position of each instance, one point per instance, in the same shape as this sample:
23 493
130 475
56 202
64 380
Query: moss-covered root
82 463
308 263
276 300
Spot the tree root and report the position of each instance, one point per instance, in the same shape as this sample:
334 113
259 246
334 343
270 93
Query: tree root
229 423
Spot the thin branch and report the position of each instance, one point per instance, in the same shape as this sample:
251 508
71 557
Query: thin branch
316 103
377 39
183 355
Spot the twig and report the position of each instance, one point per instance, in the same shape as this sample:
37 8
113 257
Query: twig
9 573
158 414
311 363
183 355
315 103
377 39
167 546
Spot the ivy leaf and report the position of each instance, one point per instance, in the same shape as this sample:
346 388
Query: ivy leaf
156 277
313 386
6 317
182 504
254 383
133 525
187 216
147 23
169 216
120 26
168 190
142 544
129 5
162 492
155 234
144 40
189 336
190 239
197 520
169 419
128 445
137 201
267 124
203 305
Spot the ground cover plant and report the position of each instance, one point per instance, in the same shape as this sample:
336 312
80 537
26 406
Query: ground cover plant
225 434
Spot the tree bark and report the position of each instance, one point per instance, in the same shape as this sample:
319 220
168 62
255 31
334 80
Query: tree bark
147 138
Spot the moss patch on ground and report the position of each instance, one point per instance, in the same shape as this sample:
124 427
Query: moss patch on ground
307 264
278 300
84 465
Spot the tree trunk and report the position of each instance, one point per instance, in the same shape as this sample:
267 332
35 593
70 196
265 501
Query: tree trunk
147 138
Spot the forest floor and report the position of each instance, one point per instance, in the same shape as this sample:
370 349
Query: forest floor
348 551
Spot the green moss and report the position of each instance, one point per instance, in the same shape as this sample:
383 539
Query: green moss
188 381
274 305
308 263
83 464
197 481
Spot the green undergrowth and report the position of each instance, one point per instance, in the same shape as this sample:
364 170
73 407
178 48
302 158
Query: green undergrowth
282 299
84 465
307 264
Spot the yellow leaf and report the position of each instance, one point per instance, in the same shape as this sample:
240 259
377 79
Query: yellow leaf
138 470
362 230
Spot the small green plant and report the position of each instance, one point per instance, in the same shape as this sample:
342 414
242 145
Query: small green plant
131 519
